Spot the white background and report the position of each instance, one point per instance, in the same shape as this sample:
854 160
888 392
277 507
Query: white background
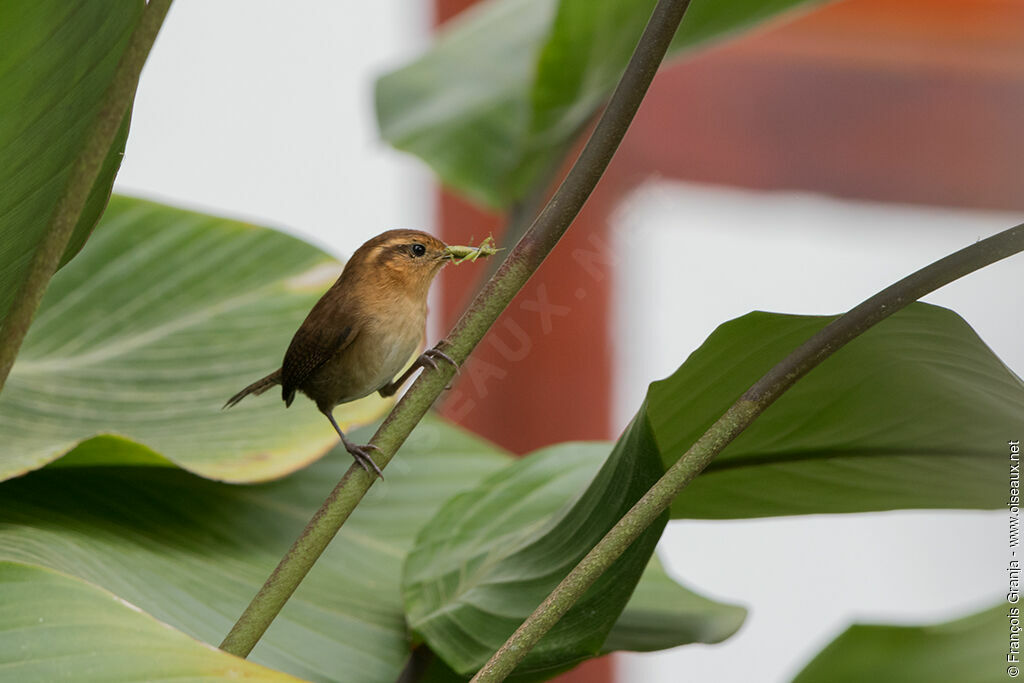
250 111
264 111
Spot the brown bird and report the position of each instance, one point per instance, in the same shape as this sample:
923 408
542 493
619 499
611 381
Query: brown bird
363 330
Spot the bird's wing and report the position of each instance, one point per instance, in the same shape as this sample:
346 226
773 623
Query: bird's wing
312 346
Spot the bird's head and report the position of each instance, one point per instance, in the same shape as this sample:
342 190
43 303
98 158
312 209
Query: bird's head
403 260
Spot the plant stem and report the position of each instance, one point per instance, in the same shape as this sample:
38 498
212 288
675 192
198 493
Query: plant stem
81 179
521 213
522 261
737 418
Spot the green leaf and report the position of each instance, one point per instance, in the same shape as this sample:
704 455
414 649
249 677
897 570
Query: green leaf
59 57
432 669
968 650
509 85
661 614
464 106
57 627
491 555
912 414
192 552
140 340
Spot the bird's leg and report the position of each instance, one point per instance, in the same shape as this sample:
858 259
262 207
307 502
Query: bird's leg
361 454
426 360
390 388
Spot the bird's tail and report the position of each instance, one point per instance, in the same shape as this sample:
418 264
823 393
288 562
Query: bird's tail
256 388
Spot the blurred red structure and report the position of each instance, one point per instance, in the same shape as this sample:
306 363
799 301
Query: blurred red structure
890 100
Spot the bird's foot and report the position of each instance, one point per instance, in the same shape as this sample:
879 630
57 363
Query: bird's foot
428 357
431 355
361 454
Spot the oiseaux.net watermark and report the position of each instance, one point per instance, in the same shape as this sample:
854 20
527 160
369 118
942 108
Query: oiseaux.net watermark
1013 653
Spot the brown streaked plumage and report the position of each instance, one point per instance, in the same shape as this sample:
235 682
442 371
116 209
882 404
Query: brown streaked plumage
363 330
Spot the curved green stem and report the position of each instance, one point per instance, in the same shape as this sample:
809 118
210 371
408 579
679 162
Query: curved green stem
737 418
82 177
522 262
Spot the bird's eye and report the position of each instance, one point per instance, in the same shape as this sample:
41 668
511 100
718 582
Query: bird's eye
418 250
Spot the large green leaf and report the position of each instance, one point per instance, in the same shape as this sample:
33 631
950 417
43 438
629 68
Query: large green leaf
968 650
464 107
661 614
508 86
58 58
489 557
141 339
912 414
192 552
60 628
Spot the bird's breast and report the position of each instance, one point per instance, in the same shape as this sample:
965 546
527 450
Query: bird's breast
382 347
395 342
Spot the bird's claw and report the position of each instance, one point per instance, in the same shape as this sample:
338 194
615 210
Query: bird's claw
430 354
361 454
